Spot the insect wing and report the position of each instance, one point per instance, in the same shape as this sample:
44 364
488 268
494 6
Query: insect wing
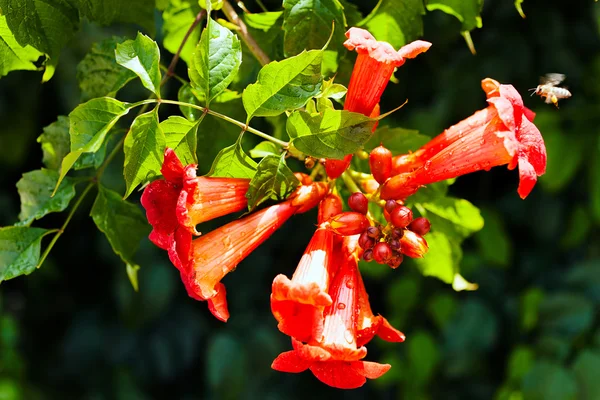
552 79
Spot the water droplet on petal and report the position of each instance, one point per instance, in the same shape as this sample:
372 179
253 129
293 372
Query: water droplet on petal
341 306
350 284
349 336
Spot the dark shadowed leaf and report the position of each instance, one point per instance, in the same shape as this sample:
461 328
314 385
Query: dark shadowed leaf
331 134
273 180
107 12
143 58
586 369
144 150
307 24
284 85
494 243
19 250
566 314
466 11
55 142
216 60
549 381
396 22
35 189
99 74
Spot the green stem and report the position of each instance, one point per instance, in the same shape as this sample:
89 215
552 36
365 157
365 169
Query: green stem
108 159
60 231
228 119
254 48
349 182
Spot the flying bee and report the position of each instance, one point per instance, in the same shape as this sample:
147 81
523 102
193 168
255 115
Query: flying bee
548 88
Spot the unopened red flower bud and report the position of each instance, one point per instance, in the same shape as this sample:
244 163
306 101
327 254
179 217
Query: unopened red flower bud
328 207
397 233
373 232
348 223
380 161
382 252
413 245
395 261
369 185
335 168
368 255
358 202
303 178
401 216
420 226
395 244
365 241
390 205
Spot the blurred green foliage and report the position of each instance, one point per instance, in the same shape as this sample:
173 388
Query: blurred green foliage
75 329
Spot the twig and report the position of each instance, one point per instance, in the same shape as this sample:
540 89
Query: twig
232 16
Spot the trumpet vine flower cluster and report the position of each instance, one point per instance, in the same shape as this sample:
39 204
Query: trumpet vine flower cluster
324 307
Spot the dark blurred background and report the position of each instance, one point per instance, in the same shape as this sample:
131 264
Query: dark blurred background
75 329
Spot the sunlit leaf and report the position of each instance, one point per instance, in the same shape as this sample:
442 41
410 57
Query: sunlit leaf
55 142
35 190
180 135
13 55
19 250
395 22
466 11
144 150
178 18
273 180
233 162
141 56
264 149
397 140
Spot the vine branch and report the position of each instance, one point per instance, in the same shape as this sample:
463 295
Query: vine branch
234 18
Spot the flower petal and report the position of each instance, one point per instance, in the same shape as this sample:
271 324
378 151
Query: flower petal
338 374
160 199
172 168
217 305
290 362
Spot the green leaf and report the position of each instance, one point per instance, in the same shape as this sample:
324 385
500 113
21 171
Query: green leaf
307 24
144 149
227 366
529 308
99 74
466 11
586 369
284 85
332 134
132 274
178 18
441 308
233 162
439 261
594 183
45 25
19 250
143 58
13 55
566 314
107 12
549 381
423 356
577 229
216 60
396 22
264 149
264 21
397 140
519 7
351 12
180 135
123 223
89 125
585 279
266 29
450 214
55 142
520 362
332 90
35 189
493 241
273 180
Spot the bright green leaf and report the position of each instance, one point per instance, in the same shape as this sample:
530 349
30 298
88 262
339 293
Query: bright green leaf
466 11
143 58
264 21
180 135
439 261
519 7
13 56
132 274
144 150
284 85
397 140
586 369
35 189
549 381
19 250
332 90
332 134
461 214
55 142
99 74
178 18
396 22
217 58
273 180
264 149
307 24
493 241
45 25
123 223
107 12
233 162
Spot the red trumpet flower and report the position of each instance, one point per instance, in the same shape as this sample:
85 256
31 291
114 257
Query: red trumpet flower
503 133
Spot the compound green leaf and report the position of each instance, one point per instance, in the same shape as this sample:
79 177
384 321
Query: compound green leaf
181 136
284 85
19 250
141 56
123 223
331 134
35 189
99 74
307 24
216 60
273 180
396 22
144 150
233 162
13 56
